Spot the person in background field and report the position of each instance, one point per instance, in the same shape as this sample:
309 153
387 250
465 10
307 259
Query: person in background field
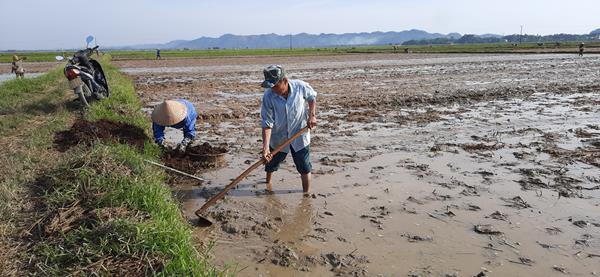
158 57
284 113
581 45
17 67
179 114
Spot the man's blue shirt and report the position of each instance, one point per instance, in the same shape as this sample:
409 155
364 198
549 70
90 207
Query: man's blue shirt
286 117
188 124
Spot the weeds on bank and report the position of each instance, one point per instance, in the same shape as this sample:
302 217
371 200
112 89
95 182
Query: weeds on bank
23 99
165 233
103 210
121 211
22 148
14 92
31 110
123 104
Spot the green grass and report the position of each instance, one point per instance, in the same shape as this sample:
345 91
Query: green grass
455 48
123 103
498 48
115 175
109 176
31 110
146 231
6 57
168 54
22 99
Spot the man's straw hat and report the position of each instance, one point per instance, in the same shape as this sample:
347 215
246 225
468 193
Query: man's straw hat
169 112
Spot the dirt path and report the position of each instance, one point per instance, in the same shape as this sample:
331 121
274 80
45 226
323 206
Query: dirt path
424 165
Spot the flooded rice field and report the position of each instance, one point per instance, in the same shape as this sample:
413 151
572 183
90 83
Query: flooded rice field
11 76
423 165
30 67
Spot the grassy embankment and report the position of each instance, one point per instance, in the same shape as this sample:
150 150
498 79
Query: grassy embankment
569 47
90 210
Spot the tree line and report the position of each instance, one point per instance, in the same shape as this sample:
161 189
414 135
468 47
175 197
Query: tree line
469 39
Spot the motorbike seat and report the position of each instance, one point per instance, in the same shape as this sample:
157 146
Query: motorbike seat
86 70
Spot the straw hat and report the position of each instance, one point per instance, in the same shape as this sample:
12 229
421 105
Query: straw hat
169 112
15 58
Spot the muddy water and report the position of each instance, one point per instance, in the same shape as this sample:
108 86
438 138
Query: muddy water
400 184
334 62
11 76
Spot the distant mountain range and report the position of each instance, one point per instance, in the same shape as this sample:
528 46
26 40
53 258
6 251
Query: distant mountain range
304 40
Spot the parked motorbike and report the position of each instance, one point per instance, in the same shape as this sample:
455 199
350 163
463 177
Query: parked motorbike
86 76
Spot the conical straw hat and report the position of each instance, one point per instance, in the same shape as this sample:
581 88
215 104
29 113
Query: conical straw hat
15 58
169 112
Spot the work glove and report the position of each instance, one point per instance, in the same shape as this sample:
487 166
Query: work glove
184 144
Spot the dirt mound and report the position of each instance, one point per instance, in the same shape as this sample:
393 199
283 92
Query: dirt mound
195 157
88 132
205 149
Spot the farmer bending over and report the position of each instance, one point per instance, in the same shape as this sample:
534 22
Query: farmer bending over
179 114
17 67
283 114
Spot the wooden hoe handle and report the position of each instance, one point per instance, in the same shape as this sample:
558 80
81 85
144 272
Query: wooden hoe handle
258 163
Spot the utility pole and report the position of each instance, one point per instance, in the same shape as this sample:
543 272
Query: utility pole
521 36
290 41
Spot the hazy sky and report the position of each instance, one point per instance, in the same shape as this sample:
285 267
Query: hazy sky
54 24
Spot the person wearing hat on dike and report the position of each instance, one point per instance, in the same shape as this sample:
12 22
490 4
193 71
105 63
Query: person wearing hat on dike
17 67
179 114
284 113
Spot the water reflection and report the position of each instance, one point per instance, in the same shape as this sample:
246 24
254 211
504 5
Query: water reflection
296 226
10 76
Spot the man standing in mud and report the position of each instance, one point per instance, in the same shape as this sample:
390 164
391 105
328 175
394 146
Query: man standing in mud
581 46
284 113
179 114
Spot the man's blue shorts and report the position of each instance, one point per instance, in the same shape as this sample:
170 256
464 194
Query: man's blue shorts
301 159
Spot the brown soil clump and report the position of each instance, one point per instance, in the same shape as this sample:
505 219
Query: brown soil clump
195 157
205 149
88 132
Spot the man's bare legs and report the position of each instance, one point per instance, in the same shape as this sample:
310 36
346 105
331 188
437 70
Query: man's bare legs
306 180
269 187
